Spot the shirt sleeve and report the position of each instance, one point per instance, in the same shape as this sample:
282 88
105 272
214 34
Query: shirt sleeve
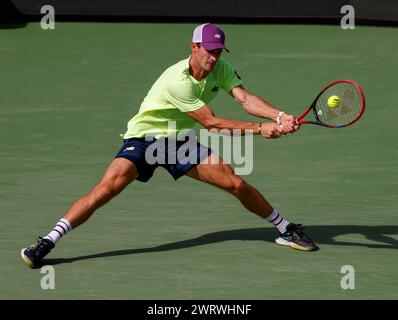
229 77
183 97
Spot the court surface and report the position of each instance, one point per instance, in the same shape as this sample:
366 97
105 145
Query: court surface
67 94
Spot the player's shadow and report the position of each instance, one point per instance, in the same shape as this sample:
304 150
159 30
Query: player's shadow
322 235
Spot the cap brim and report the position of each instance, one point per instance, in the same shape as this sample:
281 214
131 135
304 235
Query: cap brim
213 46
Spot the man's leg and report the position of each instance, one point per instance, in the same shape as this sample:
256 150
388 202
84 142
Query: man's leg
118 175
221 175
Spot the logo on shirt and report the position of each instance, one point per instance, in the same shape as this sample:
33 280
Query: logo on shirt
129 149
237 75
215 89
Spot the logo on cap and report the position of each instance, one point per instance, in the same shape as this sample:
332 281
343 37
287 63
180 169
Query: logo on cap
217 36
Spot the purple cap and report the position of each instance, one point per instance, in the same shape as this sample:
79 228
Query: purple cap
210 36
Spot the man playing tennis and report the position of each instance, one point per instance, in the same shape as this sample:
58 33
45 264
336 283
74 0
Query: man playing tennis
181 94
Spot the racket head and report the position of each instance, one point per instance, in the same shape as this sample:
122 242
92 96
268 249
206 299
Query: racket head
349 111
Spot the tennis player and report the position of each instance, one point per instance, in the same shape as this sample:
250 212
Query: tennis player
181 95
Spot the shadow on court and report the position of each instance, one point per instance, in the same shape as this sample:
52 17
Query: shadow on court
323 235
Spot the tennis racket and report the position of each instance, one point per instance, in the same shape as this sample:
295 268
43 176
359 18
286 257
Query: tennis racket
338 105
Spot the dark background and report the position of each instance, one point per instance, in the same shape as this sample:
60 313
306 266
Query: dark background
248 11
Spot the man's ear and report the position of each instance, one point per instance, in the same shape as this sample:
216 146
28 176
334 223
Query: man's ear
195 46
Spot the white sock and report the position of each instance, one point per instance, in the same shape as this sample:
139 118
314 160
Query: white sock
278 221
61 228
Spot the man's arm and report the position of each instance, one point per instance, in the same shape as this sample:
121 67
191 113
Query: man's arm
205 116
258 107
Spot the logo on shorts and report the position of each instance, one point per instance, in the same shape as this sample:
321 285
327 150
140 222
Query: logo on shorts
129 149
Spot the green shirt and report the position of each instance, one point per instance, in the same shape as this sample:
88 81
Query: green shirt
176 92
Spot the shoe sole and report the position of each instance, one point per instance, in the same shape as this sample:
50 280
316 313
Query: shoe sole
293 245
26 259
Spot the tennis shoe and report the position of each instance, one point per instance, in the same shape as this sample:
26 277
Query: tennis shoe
295 238
33 255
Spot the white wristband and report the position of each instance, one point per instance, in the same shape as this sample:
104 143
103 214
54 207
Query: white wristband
278 118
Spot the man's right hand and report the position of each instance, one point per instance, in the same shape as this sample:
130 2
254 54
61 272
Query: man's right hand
289 124
271 130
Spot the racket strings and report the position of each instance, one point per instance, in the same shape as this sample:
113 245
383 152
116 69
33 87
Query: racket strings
349 109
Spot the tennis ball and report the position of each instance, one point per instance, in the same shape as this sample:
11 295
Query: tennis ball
334 102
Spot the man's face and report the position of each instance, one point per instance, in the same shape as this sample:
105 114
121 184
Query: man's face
206 59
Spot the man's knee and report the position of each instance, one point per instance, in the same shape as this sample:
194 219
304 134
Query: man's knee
102 193
106 190
237 185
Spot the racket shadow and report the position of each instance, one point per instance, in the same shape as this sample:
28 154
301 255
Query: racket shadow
322 235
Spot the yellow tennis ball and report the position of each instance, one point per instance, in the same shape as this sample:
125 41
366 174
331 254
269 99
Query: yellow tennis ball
334 102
